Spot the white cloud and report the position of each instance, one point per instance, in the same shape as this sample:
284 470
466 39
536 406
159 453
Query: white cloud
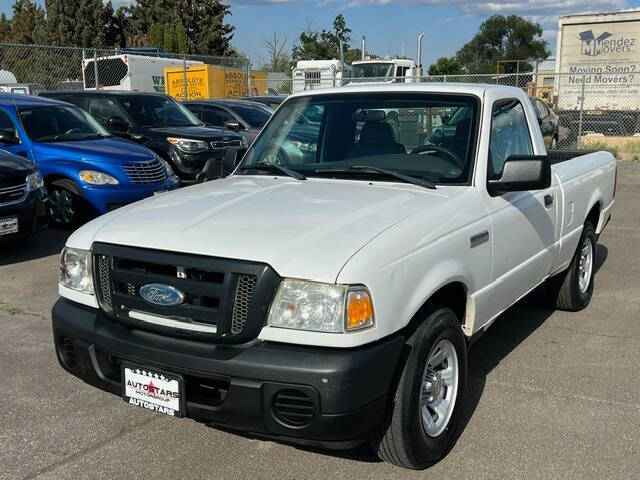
482 8
519 7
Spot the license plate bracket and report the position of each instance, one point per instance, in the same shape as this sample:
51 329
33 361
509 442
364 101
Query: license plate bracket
8 226
153 389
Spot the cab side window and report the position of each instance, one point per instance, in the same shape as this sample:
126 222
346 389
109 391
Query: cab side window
6 125
509 135
102 109
216 116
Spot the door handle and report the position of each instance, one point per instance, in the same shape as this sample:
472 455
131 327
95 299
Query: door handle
479 238
548 200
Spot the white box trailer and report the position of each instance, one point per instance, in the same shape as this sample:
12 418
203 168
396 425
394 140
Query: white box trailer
603 51
129 72
315 74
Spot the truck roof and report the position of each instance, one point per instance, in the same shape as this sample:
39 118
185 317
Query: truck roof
11 99
94 93
396 61
477 89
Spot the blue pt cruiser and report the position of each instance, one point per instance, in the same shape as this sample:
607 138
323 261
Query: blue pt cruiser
87 171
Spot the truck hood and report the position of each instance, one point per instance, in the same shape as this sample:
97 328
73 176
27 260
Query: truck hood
113 150
196 133
11 164
305 229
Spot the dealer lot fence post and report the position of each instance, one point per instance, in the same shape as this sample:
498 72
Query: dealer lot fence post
596 109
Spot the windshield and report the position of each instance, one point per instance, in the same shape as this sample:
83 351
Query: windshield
60 123
158 111
373 70
393 132
255 116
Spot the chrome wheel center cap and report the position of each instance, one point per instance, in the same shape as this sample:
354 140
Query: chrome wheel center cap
434 386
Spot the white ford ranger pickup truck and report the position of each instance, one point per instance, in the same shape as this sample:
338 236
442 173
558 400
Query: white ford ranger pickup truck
328 290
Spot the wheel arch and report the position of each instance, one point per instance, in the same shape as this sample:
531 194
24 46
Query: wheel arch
453 294
594 214
55 177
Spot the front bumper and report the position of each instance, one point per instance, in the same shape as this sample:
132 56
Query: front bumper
32 215
103 199
238 387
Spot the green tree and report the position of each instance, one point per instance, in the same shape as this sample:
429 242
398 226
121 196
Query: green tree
5 28
82 23
181 38
325 44
169 38
206 32
156 35
27 23
446 66
503 38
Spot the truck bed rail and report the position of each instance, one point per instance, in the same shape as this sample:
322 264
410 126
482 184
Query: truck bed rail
559 156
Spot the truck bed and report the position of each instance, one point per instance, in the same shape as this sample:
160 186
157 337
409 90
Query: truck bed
559 156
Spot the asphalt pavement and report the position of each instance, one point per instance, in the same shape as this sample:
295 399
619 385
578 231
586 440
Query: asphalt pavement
553 395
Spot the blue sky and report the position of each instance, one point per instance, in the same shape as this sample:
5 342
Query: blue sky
388 24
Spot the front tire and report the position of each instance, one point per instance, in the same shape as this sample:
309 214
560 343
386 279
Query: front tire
426 405
572 289
66 208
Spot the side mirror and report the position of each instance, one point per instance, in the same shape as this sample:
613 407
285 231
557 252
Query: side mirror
522 172
232 125
9 137
118 123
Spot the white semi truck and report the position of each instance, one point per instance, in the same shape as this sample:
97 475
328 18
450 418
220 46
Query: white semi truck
316 74
128 72
598 73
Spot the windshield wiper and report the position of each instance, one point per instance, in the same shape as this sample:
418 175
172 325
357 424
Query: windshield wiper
381 171
273 167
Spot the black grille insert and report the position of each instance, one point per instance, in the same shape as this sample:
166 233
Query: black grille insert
12 189
231 295
293 407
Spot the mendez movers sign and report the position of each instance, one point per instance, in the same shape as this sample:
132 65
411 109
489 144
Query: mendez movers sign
605 58
593 46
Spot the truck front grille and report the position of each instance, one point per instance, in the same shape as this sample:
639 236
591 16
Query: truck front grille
12 189
144 173
231 295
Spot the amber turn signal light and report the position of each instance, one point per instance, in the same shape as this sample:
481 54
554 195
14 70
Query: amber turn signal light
359 310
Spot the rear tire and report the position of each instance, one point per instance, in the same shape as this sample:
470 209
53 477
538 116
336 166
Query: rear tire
572 289
66 207
426 403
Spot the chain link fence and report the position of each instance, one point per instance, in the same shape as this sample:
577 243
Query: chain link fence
33 68
593 109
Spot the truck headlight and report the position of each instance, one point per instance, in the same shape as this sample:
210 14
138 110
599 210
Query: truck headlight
76 270
321 307
97 178
34 181
187 145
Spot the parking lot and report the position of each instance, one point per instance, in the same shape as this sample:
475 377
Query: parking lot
553 394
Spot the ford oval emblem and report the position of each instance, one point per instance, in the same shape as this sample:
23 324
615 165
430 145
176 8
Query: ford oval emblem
163 295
